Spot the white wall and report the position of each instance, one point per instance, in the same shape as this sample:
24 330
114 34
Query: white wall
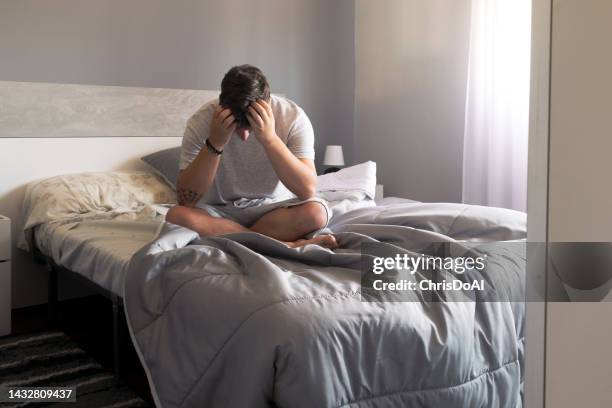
304 46
579 335
411 73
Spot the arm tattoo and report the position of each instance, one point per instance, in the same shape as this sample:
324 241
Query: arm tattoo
187 197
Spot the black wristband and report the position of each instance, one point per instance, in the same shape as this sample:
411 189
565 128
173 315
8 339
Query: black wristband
213 149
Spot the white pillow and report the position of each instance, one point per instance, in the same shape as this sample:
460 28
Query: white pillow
91 194
349 181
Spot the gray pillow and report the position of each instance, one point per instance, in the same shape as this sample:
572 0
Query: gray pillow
165 163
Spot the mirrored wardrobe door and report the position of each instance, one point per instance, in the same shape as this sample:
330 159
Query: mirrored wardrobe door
537 204
578 324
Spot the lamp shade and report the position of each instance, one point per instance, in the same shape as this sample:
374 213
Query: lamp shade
333 156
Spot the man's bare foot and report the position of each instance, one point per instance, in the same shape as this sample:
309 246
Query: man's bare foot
326 241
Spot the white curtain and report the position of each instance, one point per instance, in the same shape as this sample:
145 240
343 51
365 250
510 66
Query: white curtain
497 108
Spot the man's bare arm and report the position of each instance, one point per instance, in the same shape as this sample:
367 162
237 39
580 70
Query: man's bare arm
185 194
196 179
298 175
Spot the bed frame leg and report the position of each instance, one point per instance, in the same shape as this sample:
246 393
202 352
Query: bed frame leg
52 296
117 336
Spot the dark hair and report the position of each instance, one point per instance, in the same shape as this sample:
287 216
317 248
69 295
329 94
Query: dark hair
242 85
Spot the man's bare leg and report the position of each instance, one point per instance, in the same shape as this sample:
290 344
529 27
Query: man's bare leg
292 224
285 224
202 222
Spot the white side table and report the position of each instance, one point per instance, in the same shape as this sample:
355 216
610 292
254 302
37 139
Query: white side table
5 276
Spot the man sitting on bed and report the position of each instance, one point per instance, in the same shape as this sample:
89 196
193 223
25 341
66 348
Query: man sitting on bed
237 156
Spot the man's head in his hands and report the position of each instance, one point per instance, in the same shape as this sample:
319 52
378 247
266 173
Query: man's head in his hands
241 86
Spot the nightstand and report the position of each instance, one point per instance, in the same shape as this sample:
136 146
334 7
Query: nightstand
5 276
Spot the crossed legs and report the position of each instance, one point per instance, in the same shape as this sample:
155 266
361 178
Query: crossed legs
288 225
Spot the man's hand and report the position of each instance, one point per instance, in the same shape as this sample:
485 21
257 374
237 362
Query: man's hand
261 119
222 127
298 175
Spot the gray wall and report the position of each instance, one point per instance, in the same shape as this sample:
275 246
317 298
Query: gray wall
385 79
304 46
411 73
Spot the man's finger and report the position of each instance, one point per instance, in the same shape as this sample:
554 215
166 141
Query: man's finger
227 122
256 115
217 112
266 106
254 119
232 127
250 120
253 111
224 114
260 109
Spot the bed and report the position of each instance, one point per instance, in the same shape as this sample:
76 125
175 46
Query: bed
241 320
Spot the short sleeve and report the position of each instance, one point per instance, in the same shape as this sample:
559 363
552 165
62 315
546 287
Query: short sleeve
301 137
194 138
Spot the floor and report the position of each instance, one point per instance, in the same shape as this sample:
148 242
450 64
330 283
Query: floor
51 359
88 321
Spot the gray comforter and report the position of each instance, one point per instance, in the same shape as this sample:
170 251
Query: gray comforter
242 321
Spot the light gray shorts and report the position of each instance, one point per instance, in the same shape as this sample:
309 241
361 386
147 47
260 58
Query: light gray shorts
248 215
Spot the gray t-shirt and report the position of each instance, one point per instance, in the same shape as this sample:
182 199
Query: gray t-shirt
245 174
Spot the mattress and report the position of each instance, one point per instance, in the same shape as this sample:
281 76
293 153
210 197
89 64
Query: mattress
99 250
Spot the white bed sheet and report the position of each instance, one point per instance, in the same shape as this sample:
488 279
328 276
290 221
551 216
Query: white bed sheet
99 250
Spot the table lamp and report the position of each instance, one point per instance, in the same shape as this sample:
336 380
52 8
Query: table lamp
334 158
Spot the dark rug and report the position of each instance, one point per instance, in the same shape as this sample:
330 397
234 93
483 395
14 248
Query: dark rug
51 359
